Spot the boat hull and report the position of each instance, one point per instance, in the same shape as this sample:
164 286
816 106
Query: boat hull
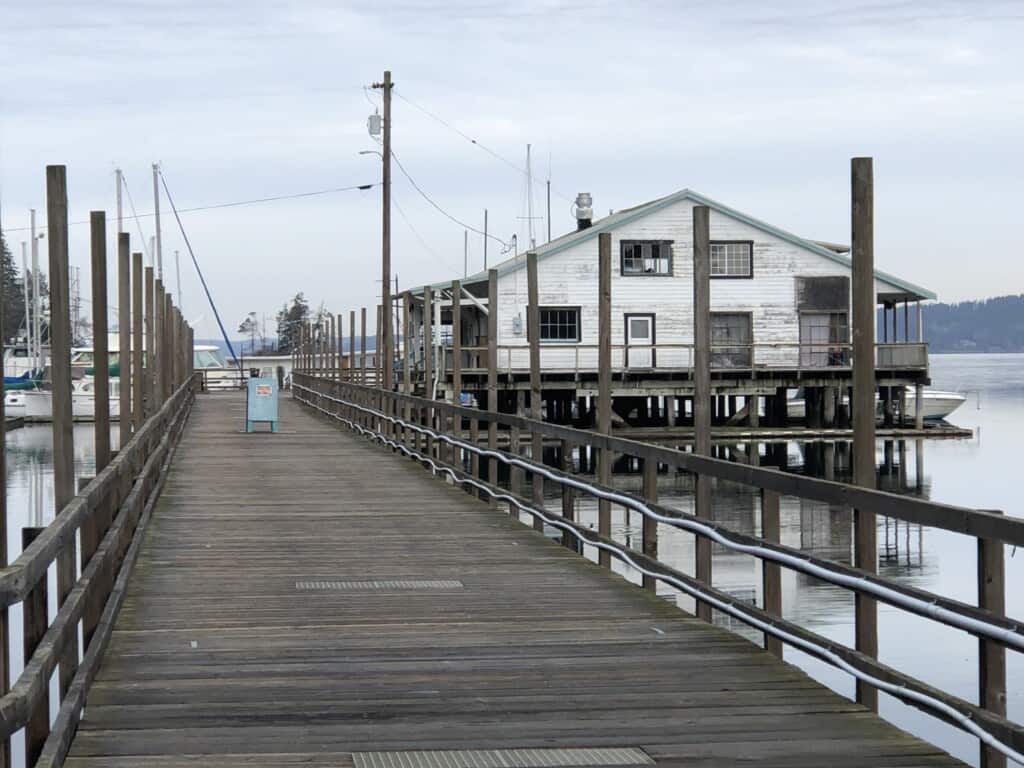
936 405
38 406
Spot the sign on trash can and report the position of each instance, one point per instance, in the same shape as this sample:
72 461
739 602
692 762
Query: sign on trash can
261 403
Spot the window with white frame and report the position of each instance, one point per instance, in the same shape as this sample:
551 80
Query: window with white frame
732 258
646 257
560 324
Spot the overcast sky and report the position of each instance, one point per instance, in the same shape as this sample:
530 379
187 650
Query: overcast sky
759 105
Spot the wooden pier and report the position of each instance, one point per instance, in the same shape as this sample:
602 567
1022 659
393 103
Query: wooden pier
304 596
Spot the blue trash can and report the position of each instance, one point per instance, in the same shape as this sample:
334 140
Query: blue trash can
261 403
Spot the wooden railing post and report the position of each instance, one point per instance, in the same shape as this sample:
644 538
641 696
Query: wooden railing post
428 362
604 384
771 573
536 408
138 377
454 424
340 352
992 655
702 386
492 372
148 388
650 526
362 348
124 336
406 363
60 373
568 496
865 536
33 623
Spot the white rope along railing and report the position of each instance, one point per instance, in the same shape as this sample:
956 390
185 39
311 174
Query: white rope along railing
899 691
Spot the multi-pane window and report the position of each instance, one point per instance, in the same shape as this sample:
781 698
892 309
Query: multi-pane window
559 324
732 258
731 337
820 330
646 257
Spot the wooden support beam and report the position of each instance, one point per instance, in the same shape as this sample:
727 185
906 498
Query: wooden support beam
492 371
536 408
144 393
771 573
33 625
702 385
61 342
351 375
650 527
992 655
604 382
863 404
124 335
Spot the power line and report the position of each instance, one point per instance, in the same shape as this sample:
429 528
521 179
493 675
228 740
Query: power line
416 233
512 164
442 210
232 204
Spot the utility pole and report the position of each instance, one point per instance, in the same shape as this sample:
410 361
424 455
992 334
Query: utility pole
120 183
388 341
156 222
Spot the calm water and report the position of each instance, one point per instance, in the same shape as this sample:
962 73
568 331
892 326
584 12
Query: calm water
977 472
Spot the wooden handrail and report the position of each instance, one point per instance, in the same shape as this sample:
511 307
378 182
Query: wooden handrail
145 450
987 526
948 517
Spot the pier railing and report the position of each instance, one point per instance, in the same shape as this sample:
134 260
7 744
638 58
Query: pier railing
461 443
104 516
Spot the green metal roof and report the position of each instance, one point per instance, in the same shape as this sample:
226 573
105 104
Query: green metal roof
628 215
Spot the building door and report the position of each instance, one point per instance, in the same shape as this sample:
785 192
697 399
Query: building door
640 341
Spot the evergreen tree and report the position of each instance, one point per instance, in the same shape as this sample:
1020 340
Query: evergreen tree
289 322
13 295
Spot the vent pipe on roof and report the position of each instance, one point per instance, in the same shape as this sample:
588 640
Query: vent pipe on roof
584 210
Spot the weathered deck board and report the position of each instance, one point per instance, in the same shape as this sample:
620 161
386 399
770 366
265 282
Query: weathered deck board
218 659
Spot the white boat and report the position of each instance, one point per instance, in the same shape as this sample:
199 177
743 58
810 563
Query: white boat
14 404
217 374
936 404
37 404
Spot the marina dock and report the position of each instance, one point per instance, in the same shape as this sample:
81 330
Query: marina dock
312 598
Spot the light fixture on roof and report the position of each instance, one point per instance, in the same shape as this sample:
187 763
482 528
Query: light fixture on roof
584 210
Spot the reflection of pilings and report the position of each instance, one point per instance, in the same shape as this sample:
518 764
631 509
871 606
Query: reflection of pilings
898 535
919 464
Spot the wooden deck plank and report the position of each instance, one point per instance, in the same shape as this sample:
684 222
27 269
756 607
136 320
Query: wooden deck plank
218 659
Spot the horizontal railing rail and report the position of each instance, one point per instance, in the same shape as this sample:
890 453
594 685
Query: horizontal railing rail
112 503
375 412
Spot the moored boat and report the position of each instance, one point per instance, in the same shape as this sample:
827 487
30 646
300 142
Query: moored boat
936 404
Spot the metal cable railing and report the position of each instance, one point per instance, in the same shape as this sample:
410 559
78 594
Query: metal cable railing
701 592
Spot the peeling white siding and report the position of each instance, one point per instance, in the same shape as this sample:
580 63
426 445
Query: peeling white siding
570 278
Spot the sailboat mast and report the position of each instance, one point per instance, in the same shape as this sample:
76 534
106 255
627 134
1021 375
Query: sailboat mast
529 199
28 316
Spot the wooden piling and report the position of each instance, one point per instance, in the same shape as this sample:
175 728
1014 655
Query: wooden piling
362 347
650 526
406 361
138 379
124 331
536 409
992 655
702 385
33 624
428 359
340 351
456 422
863 404
60 375
492 371
604 383
771 573
94 527
351 376
147 374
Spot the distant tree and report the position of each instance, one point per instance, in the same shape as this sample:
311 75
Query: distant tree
289 321
13 295
250 327
988 325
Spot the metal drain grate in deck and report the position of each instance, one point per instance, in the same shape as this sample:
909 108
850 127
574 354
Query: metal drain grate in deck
366 586
505 758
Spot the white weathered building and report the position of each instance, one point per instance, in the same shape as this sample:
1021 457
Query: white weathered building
780 308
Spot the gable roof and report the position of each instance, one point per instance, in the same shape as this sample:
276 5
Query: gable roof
628 215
